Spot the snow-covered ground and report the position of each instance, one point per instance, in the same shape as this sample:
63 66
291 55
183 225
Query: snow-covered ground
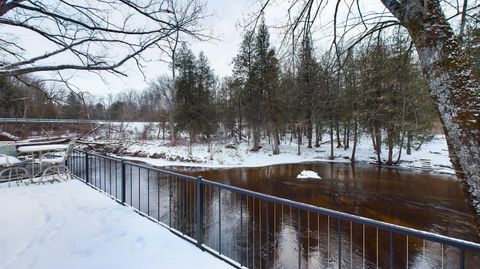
69 225
432 155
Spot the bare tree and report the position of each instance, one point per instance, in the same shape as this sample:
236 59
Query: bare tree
92 36
452 85
165 87
181 12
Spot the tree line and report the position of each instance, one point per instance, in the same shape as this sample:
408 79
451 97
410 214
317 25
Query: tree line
376 89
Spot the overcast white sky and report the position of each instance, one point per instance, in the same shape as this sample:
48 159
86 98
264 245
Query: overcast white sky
224 23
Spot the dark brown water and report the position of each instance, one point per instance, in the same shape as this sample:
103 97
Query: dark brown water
421 200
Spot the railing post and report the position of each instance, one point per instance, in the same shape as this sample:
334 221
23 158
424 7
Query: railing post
124 184
199 212
87 169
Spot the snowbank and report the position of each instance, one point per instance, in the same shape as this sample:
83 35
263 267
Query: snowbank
305 174
4 136
432 156
69 225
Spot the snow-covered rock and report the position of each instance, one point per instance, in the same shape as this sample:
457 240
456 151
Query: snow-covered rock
308 174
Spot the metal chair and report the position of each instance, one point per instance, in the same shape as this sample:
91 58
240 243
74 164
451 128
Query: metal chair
13 166
56 163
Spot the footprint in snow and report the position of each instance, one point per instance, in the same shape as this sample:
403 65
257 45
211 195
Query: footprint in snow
139 243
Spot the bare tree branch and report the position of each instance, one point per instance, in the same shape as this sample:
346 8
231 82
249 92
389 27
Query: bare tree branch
102 37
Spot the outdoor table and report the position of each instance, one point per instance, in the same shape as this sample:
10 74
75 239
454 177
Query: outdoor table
40 150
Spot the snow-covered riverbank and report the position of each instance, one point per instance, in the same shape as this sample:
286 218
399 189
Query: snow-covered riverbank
432 155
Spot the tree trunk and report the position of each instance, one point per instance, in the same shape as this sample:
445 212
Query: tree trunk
346 136
310 133
256 139
409 142
337 128
355 133
390 147
452 85
400 149
299 140
378 144
240 130
317 136
373 141
173 138
276 142
331 157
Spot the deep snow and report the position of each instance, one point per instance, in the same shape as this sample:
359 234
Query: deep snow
70 225
431 156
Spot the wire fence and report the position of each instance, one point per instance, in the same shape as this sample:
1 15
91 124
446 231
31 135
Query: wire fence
255 230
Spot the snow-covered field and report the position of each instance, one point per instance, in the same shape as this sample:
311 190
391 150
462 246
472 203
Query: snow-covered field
432 155
69 225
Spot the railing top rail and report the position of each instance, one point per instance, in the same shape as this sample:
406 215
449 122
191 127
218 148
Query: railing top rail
46 120
462 244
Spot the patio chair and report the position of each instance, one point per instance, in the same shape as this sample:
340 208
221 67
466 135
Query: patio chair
12 166
56 163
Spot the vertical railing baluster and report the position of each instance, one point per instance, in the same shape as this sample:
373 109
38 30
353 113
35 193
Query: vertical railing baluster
391 249
110 176
199 212
87 174
339 224
116 180
260 245
131 185
170 201
407 253
299 234
139 194
351 245
95 166
104 175
363 247
462 258
241 229
376 249
148 192
124 183
247 235
158 195
442 256
219 221
267 238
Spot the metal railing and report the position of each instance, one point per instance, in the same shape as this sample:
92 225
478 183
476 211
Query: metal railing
56 121
255 230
